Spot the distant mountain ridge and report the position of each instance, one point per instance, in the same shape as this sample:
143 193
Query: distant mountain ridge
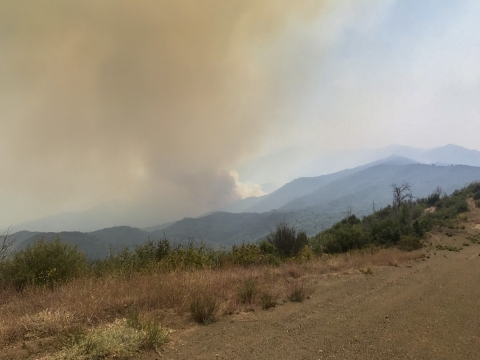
302 187
446 155
96 244
310 204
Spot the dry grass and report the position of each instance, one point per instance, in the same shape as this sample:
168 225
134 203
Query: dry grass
45 323
114 340
204 308
91 303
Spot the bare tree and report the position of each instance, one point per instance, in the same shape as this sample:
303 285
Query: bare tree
439 192
349 213
7 240
401 194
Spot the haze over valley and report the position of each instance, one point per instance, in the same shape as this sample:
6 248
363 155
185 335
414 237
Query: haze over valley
309 204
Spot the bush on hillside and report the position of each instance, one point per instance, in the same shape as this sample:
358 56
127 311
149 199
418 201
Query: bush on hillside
190 257
450 207
344 238
43 263
267 247
152 251
387 231
473 187
286 240
409 243
251 254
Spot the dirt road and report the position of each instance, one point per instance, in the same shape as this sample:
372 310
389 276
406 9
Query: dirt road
429 309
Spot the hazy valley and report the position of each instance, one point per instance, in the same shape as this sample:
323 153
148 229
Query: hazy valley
311 204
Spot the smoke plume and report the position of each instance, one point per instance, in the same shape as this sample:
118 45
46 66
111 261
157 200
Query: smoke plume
154 102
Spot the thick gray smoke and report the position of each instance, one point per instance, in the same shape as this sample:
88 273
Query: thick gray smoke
150 101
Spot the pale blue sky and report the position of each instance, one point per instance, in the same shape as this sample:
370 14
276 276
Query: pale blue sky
415 65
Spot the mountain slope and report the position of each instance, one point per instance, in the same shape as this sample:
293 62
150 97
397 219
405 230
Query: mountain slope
328 203
303 187
120 212
222 227
90 245
448 155
375 184
95 244
121 236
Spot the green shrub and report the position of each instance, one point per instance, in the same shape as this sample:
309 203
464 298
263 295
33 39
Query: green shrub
450 207
170 258
191 257
387 231
409 243
422 225
305 254
123 263
343 238
286 240
152 251
448 247
44 263
317 242
433 198
246 254
267 247
416 212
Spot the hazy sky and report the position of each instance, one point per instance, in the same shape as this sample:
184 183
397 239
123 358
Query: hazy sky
161 102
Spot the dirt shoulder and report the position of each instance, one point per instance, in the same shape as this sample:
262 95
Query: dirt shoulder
427 309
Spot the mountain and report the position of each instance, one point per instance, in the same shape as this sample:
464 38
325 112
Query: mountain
119 237
91 246
374 183
453 154
303 187
309 203
96 244
108 214
21 236
312 204
296 168
222 228
158 227
447 155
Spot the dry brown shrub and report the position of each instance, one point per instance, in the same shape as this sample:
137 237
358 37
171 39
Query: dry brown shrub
46 323
96 301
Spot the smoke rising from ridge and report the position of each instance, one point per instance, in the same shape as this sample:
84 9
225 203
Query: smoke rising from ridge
153 101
